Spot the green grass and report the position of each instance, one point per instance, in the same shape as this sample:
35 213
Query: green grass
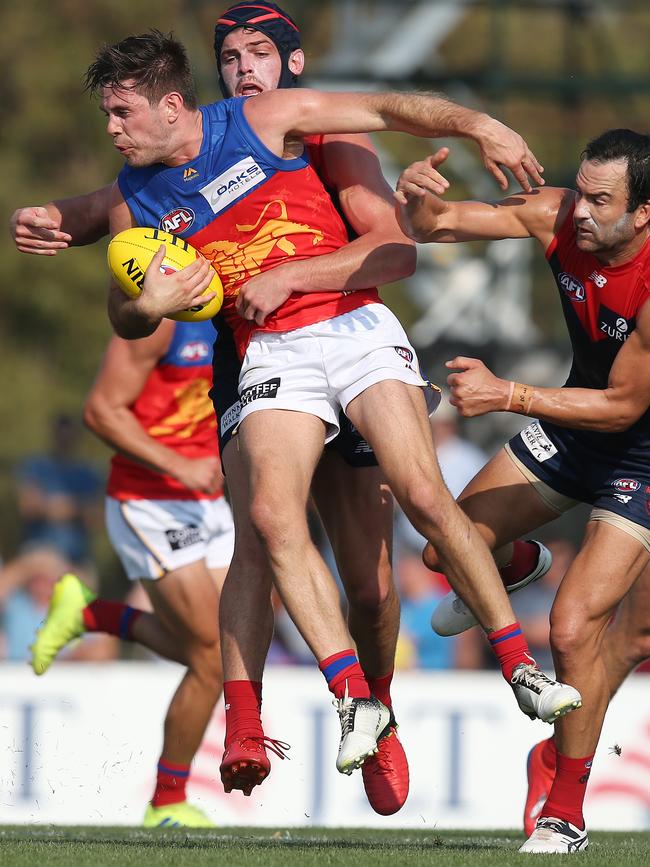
48 846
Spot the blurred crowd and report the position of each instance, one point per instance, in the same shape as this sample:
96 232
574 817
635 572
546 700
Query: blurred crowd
59 498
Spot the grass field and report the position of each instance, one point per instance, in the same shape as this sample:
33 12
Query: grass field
50 846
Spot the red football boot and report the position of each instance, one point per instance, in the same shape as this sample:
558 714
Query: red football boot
386 774
540 768
245 764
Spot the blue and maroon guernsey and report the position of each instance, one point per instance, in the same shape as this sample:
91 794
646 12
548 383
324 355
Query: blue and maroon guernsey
174 408
247 210
600 306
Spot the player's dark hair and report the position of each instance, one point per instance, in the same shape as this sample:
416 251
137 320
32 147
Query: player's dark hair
156 63
634 147
270 20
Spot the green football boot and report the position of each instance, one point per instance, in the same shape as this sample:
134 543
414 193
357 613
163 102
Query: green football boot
64 621
180 815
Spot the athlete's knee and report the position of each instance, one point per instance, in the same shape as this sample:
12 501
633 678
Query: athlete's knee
372 593
426 505
204 659
638 645
572 632
430 558
275 523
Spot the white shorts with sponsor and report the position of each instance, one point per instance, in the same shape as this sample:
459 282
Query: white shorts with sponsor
153 537
320 368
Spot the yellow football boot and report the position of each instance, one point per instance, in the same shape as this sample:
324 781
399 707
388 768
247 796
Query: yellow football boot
180 815
64 621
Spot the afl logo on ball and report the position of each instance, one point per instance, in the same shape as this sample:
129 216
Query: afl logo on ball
177 221
571 287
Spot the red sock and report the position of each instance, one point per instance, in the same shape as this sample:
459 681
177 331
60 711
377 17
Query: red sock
524 559
548 754
568 790
243 701
510 648
342 671
114 618
170 783
380 688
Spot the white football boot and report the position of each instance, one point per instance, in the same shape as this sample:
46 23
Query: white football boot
363 721
451 616
556 836
540 697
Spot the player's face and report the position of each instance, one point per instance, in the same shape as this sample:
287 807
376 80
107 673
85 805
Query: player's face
138 129
602 221
250 63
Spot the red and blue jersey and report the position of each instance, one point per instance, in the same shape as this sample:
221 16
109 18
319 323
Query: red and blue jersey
247 211
600 306
174 408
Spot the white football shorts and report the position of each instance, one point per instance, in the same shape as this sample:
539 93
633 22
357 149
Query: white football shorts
320 368
153 537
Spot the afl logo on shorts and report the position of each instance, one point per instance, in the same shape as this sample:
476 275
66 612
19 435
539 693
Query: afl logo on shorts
404 353
177 221
571 287
626 485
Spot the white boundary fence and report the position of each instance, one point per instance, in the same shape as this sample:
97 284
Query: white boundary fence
80 746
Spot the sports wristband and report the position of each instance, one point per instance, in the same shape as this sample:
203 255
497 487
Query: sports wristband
521 398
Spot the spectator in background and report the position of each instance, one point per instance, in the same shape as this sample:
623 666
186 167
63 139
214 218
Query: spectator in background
26 585
59 495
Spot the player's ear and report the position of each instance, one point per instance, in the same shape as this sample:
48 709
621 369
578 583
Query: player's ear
642 216
296 62
172 104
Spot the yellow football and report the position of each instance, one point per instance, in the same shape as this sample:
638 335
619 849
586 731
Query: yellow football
131 251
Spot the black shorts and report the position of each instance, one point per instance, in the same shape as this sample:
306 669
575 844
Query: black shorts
570 464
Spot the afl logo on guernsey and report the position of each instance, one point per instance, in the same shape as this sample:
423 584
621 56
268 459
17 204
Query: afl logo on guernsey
195 351
177 221
571 287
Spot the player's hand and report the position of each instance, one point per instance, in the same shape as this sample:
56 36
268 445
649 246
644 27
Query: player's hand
503 147
422 177
163 294
475 390
199 474
35 231
262 295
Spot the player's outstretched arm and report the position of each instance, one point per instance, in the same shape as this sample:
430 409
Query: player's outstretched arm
274 115
475 390
425 216
45 229
380 254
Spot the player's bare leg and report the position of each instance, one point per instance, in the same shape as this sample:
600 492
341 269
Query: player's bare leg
356 508
606 567
402 442
186 601
625 645
279 490
487 500
246 621
627 640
